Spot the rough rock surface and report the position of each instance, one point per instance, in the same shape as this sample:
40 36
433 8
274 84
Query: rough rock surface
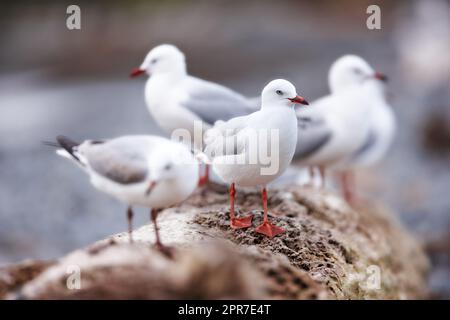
330 251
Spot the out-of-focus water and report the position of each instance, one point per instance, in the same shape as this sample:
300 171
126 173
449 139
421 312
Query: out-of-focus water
47 206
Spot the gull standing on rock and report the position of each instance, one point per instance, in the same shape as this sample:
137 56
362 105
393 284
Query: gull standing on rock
236 147
177 100
146 171
337 125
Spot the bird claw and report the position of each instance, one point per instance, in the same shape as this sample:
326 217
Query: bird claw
269 229
239 223
165 250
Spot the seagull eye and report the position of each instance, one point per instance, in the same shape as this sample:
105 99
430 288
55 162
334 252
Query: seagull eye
357 71
167 167
153 61
279 92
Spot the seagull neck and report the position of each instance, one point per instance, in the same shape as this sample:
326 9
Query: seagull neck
274 105
173 76
375 91
343 89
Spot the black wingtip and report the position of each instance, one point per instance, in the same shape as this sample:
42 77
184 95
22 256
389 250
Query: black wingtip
66 142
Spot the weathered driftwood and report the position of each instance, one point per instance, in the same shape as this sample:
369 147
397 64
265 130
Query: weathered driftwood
329 251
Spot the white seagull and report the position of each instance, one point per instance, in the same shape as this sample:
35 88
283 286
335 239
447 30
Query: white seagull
176 100
238 148
139 170
376 145
337 125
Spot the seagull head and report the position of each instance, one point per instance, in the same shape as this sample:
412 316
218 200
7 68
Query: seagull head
160 170
351 70
169 165
165 58
174 164
281 92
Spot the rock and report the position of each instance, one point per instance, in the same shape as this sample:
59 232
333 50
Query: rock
329 251
13 277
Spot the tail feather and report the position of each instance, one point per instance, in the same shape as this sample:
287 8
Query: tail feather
63 153
51 144
68 145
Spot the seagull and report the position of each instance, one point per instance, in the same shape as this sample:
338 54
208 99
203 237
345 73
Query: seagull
376 145
337 125
177 100
237 148
139 170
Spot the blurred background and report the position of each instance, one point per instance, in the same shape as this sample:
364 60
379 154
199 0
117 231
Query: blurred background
54 80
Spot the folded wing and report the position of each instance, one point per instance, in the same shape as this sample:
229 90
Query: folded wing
313 133
227 138
116 160
212 102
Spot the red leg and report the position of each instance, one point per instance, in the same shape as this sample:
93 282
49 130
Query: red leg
237 223
322 176
347 182
205 178
266 227
130 223
165 250
312 175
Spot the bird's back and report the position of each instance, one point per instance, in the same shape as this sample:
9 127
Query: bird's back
213 102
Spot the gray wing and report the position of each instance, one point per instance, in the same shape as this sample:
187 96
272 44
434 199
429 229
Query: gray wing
370 141
313 134
119 162
212 102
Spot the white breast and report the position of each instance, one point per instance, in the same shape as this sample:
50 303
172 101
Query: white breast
347 116
276 133
383 128
163 99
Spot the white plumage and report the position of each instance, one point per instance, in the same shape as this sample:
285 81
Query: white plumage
382 130
140 170
175 99
255 149
337 126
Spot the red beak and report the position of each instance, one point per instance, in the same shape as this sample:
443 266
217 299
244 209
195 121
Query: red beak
380 76
150 188
136 72
299 99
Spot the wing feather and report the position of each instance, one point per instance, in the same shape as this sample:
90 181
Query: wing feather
313 133
122 164
212 102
